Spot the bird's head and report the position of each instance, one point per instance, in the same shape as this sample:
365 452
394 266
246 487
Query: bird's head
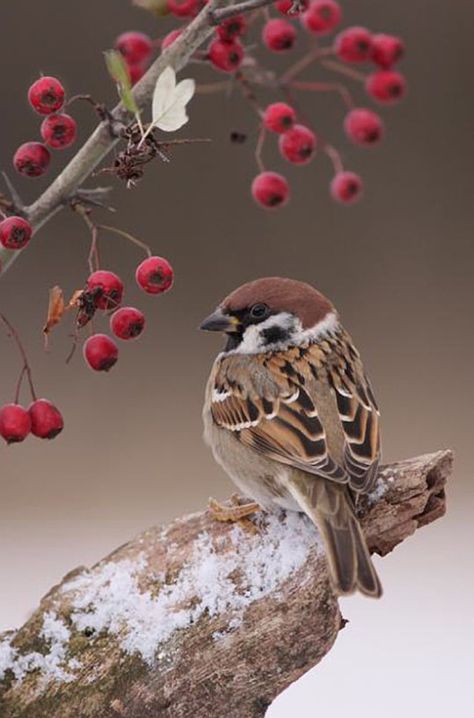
272 313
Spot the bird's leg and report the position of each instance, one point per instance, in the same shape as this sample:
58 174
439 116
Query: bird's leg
235 512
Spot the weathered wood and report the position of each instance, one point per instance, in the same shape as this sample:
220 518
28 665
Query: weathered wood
200 619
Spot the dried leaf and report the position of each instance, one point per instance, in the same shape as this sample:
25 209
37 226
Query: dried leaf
170 100
55 309
118 71
75 300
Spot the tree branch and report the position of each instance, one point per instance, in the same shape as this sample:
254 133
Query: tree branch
200 619
218 16
100 143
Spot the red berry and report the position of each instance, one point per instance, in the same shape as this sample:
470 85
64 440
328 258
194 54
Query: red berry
59 131
15 232
108 289
346 187
386 86
183 8
46 419
286 7
136 72
31 159
363 127
15 423
127 323
46 95
136 47
270 190
298 144
170 38
227 56
232 28
278 35
100 352
322 16
279 117
386 50
154 275
353 44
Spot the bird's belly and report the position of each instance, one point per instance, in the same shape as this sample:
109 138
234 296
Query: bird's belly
258 478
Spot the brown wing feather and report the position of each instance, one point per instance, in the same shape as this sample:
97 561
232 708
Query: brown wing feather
271 411
264 400
359 416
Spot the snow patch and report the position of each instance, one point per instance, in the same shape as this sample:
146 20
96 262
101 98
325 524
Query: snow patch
223 577
52 665
382 485
109 598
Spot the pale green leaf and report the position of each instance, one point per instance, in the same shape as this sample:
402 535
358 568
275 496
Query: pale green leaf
118 71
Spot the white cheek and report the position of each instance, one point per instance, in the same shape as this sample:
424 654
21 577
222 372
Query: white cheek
252 341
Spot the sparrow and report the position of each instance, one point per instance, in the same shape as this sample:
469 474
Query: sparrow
290 415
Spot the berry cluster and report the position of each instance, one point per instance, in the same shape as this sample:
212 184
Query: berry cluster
277 28
58 130
42 419
231 52
104 292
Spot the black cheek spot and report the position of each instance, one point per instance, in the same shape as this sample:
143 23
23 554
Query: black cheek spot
275 334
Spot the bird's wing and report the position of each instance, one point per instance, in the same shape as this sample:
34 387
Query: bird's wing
265 400
359 416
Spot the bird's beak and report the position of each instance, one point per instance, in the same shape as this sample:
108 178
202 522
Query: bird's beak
220 322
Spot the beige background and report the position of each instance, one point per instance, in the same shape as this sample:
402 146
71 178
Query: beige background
398 266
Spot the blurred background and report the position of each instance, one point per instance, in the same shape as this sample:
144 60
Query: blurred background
398 266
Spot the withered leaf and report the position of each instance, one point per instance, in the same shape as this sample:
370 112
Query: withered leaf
55 309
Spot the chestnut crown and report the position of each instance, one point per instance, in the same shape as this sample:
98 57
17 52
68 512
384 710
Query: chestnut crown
280 295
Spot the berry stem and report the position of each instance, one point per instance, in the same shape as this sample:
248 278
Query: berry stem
93 258
259 148
26 366
315 54
126 235
18 385
248 93
344 70
325 87
334 156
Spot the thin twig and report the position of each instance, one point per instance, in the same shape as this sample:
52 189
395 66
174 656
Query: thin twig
344 70
211 87
17 201
15 336
324 87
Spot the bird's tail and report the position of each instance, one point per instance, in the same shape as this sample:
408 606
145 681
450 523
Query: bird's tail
330 507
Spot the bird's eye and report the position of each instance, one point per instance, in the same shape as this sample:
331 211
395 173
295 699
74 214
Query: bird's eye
259 311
